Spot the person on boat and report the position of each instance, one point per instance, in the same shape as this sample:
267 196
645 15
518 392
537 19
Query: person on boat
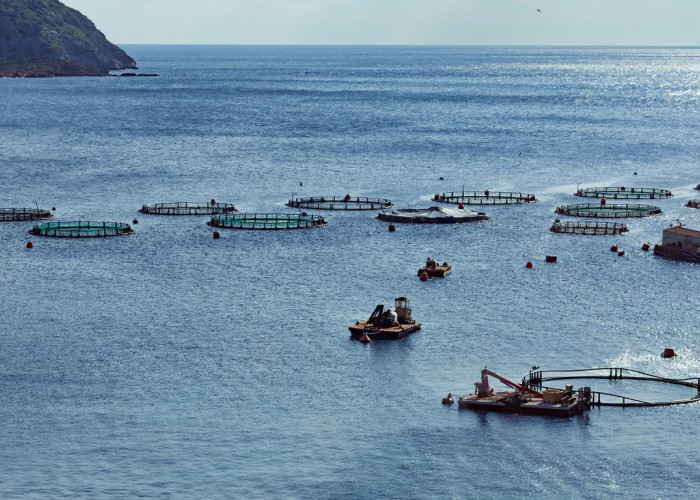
430 263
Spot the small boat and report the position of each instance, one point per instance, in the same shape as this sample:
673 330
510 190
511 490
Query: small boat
435 270
387 324
524 400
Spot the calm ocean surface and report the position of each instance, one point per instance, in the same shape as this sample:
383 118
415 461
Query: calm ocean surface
170 364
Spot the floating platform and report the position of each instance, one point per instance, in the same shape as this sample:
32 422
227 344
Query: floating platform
390 324
264 221
362 328
624 193
340 203
485 198
433 215
187 208
525 404
589 228
679 243
435 270
693 203
608 211
19 214
81 229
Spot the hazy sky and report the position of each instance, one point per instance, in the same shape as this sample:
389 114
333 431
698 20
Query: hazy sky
507 22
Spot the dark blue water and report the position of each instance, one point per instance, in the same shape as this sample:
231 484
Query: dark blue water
167 363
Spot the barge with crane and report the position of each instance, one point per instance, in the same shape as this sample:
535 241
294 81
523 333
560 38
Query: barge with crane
525 400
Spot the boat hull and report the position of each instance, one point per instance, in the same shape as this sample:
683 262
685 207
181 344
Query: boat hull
675 253
361 328
527 406
435 272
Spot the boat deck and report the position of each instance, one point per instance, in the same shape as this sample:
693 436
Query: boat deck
390 333
527 405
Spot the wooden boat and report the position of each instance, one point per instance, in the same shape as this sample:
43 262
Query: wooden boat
387 324
435 270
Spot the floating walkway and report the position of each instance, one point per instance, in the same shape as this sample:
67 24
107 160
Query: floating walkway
18 214
589 228
432 215
485 198
601 210
538 379
81 229
186 208
340 203
624 193
267 221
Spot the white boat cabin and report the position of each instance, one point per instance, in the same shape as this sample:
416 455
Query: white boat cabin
682 238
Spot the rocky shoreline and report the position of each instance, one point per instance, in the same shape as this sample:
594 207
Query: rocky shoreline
45 68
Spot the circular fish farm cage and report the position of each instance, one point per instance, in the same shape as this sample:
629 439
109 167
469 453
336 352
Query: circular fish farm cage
693 203
267 221
432 215
624 193
610 211
339 203
589 228
19 214
485 198
81 229
538 379
186 208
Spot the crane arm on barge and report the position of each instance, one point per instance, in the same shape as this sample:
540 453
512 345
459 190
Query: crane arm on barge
483 390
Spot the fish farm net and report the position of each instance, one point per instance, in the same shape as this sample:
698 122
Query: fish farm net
267 221
81 229
18 214
610 211
185 208
624 193
339 203
485 198
589 228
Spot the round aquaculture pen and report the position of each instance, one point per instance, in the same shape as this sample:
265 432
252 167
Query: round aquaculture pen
611 211
693 203
267 221
433 215
589 228
339 203
538 379
624 193
81 229
186 208
485 198
18 214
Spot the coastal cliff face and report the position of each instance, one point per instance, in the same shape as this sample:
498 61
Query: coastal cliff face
43 35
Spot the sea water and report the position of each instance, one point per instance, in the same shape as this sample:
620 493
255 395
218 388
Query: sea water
169 363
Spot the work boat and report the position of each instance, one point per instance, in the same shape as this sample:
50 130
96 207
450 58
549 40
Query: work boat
435 270
387 324
524 400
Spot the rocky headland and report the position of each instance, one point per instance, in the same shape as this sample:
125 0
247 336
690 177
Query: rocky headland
42 38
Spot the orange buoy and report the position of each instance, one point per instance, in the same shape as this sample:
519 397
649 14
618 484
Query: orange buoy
365 339
135 221
304 214
53 208
602 201
646 247
621 253
668 353
528 265
461 206
424 276
448 400
347 197
30 244
213 201
392 228
216 234
613 248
